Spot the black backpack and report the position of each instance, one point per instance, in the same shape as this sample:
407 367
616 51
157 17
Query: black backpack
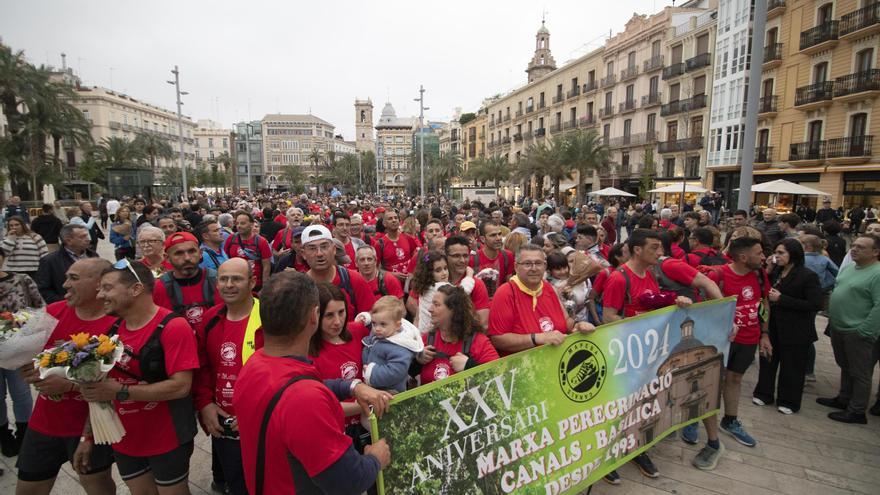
345 284
465 348
151 356
175 293
667 284
712 259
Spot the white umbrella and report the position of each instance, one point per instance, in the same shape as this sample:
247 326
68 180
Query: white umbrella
781 186
677 188
611 191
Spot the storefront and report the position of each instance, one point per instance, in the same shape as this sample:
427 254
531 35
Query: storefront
667 199
726 183
785 203
861 189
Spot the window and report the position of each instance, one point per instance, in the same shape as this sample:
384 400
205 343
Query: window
589 110
608 98
820 72
677 54
631 59
210 142
858 125
824 14
609 69
574 84
606 131
627 130
674 92
672 131
225 143
624 160
196 141
591 78
692 166
652 122
669 167
763 139
864 60
363 116
697 126
558 91
541 99
655 48
210 154
654 85
699 85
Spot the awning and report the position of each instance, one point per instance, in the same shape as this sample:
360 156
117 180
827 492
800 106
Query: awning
677 188
790 170
611 191
785 187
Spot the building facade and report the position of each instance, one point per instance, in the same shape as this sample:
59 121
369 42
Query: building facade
249 155
394 145
473 138
363 125
293 139
210 141
819 104
343 147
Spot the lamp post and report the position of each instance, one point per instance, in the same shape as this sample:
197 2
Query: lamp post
422 108
176 83
360 172
754 92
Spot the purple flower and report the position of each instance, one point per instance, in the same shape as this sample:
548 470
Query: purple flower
78 357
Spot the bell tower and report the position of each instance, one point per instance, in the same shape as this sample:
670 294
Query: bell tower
363 125
542 62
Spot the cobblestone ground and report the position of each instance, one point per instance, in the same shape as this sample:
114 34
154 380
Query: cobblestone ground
801 454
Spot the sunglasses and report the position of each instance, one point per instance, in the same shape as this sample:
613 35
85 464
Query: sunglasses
124 264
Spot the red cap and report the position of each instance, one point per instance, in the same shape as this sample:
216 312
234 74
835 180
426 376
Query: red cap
569 224
379 210
178 237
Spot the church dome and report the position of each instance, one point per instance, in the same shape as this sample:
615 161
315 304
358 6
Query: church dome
543 29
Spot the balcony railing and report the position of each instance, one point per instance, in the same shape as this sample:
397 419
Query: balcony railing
628 106
854 146
826 31
772 4
541 105
764 154
860 19
588 120
517 137
590 86
492 123
530 109
609 80
673 70
767 104
772 52
575 91
519 113
868 80
814 93
605 112
557 98
653 63
811 150
506 118
629 72
505 140
652 99
679 106
632 139
540 132
687 144
556 127
571 124
698 62
115 125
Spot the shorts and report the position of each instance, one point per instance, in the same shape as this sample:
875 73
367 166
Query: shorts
740 357
168 469
42 456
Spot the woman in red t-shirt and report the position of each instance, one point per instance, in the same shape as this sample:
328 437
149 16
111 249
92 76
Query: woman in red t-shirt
456 342
336 347
618 255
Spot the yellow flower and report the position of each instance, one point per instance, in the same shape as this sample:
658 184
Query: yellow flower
45 360
106 348
81 340
103 338
61 358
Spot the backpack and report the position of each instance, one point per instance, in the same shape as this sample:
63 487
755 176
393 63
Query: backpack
345 284
172 288
504 261
251 254
380 282
465 348
151 356
264 427
710 259
667 284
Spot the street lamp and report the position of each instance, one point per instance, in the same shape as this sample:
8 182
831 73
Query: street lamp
176 84
422 108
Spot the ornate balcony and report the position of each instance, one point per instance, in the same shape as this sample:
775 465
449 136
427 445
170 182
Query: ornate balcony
653 63
517 137
571 124
540 132
652 99
606 112
814 96
629 73
764 154
680 106
687 144
775 8
849 150
590 87
698 62
575 91
859 86
772 56
609 80
506 118
587 121
767 105
530 109
558 98
808 153
673 71
628 106
821 37
519 113
861 22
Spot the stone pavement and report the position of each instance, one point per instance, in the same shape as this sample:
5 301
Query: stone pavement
801 454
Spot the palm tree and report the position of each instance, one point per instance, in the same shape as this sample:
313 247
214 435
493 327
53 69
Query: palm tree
117 152
315 157
154 146
444 169
586 152
294 176
229 165
537 162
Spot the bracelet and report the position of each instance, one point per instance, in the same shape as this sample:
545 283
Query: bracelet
534 339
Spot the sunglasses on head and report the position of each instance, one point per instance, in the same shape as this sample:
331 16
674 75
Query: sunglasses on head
124 264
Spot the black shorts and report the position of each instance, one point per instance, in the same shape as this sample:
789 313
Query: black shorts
740 357
42 456
168 469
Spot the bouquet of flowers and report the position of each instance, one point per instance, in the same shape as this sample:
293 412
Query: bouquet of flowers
23 334
84 359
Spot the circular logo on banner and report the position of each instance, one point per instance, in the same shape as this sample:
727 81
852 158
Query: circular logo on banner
582 371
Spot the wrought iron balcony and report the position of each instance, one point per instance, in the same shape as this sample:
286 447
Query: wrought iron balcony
629 73
673 70
517 137
698 62
860 82
652 99
814 93
687 144
606 112
811 150
609 80
590 86
575 91
588 121
556 127
541 105
849 147
571 124
530 109
628 106
653 63
767 104
764 154
687 105
519 113
864 18
775 4
822 33
505 140
506 118
540 132
557 98
772 52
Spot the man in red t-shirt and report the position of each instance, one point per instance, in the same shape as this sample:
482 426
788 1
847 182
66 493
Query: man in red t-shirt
319 252
381 282
395 248
492 254
305 448
187 290
458 254
55 430
226 338
154 404
248 244
283 242
700 242
526 312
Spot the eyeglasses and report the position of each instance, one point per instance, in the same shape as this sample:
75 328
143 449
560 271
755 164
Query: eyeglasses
147 242
529 265
125 264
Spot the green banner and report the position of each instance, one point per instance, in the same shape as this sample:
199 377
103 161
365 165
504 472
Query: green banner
554 420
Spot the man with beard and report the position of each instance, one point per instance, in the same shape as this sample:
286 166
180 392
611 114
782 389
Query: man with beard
284 239
228 337
395 248
187 290
54 434
492 254
248 244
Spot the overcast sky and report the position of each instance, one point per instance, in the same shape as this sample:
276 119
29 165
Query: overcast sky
245 59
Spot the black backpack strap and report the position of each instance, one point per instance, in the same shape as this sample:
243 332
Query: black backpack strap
175 293
214 320
380 281
466 348
114 328
264 427
209 286
154 337
212 256
345 280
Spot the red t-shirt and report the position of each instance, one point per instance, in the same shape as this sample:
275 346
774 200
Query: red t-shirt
307 423
363 294
503 262
392 286
615 295
166 266
747 290
343 360
193 295
349 250
481 351
512 312
369 217
283 239
395 255
66 417
695 257
220 358
601 280
153 428
678 252
254 250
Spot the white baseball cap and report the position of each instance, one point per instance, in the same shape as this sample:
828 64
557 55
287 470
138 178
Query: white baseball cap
316 233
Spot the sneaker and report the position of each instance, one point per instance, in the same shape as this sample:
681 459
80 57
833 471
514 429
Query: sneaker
758 402
785 410
848 417
612 478
690 434
735 429
810 378
646 466
707 458
830 402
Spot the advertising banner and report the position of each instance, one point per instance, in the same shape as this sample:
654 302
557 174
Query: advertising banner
555 419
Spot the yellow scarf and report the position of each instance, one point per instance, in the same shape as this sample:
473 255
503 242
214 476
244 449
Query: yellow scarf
533 293
250 332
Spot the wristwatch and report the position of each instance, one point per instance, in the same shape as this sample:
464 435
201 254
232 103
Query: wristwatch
123 394
354 383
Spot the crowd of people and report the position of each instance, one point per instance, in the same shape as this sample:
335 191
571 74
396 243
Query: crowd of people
235 311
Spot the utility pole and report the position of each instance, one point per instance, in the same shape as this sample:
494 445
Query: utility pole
247 159
378 161
752 97
422 108
360 172
176 83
